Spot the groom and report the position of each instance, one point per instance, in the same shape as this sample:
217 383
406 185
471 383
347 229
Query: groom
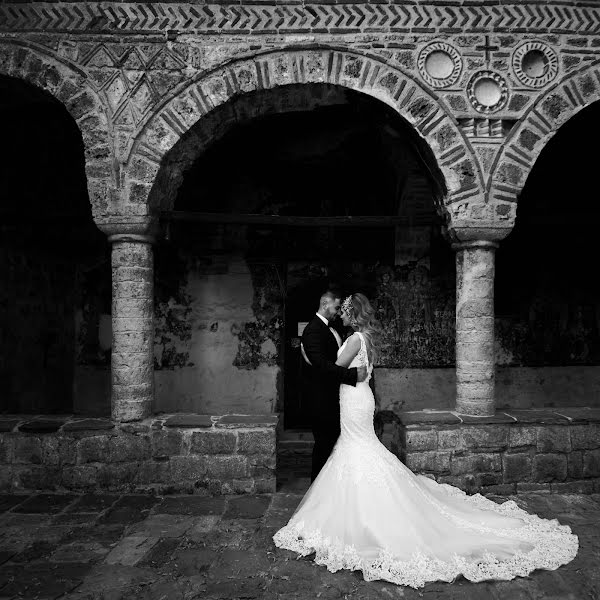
322 378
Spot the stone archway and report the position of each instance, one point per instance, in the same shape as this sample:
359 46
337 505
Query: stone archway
539 124
68 85
160 138
167 127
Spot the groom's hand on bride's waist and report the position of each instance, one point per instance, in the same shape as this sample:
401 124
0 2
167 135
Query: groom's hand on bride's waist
361 374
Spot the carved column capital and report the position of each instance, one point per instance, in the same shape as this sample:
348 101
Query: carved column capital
479 218
130 229
475 244
472 233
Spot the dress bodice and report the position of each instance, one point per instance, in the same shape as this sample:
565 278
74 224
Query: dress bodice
362 357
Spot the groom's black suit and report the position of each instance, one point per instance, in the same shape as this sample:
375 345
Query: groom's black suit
321 381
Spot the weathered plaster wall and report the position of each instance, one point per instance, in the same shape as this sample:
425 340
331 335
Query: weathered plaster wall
217 344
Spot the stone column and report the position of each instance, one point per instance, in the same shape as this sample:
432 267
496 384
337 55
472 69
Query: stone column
475 359
132 364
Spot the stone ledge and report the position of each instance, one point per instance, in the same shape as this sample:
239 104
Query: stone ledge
428 418
151 455
247 421
41 425
550 416
88 425
548 450
8 424
189 421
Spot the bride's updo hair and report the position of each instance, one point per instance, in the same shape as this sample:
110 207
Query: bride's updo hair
363 314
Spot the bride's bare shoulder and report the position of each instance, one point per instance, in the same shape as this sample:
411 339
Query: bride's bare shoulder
354 340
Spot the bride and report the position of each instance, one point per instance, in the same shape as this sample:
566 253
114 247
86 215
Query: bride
367 511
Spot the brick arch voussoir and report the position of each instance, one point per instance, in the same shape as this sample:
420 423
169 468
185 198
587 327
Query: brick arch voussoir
68 85
177 116
531 135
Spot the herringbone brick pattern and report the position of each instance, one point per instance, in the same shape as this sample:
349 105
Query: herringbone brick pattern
326 17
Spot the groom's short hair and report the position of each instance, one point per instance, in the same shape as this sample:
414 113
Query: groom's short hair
330 294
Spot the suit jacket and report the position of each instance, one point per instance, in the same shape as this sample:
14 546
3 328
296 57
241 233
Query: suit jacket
322 379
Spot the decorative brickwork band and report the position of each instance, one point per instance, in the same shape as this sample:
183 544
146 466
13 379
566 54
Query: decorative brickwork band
530 136
475 363
133 327
222 18
164 138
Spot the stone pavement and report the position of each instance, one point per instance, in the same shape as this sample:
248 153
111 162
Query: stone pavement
101 546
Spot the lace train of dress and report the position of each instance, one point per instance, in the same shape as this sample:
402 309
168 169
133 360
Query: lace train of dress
367 511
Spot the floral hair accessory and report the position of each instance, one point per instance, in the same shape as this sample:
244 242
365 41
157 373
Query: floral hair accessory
347 305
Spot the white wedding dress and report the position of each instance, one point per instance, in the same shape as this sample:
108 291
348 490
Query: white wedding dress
368 511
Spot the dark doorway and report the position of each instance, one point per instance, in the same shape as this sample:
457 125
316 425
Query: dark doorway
547 290
49 245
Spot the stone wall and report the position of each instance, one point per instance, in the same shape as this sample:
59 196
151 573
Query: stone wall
195 454
510 452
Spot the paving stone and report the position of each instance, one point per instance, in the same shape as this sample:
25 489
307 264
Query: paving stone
122 516
88 425
6 555
247 507
263 538
131 550
242 564
202 525
45 503
163 526
191 505
277 517
75 519
25 521
103 534
109 581
195 560
225 590
83 552
160 554
8 501
280 501
181 589
37 551
93 503
232 533
47 580
129 509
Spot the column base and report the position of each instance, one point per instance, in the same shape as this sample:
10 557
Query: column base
476 408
